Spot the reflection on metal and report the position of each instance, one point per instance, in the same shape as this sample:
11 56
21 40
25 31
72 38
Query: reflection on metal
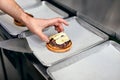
18 45
104 12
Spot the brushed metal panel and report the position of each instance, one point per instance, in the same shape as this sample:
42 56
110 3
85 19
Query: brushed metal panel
104 14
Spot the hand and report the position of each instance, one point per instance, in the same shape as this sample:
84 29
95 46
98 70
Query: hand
37 25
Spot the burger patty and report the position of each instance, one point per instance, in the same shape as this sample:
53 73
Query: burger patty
62 46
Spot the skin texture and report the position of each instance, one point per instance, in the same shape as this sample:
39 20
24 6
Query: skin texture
35 25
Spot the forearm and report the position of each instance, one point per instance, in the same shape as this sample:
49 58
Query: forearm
13 9
35 25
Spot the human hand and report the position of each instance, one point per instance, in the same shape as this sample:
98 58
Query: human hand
37 26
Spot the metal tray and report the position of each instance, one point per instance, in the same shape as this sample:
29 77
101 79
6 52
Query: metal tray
44 10
25 4
83 37
99 63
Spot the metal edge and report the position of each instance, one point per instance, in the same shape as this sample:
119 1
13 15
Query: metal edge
115 44
7 30
6 34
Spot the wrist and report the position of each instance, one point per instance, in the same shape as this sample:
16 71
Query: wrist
25 18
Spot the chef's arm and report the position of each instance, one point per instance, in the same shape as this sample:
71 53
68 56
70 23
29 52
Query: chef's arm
13 9
35 25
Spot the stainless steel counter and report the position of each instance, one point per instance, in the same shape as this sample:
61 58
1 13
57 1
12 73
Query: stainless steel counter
104 14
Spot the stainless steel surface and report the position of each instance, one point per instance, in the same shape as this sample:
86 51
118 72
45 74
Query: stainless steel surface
43 10
104 14
99 63
83 36
18 45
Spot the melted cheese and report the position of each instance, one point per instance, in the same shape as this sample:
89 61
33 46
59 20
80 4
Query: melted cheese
60 38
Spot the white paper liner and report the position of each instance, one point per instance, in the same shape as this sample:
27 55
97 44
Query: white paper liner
80 36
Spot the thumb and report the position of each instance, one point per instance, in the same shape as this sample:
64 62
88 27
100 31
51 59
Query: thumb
43 37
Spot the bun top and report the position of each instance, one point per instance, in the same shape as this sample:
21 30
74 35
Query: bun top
60 38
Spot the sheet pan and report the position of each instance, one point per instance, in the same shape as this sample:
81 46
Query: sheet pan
83 37
99 63
25 4
44 10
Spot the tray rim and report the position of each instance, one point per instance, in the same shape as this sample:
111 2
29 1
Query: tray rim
80 56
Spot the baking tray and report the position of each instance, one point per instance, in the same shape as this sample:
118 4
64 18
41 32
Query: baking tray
44 10
83 37
25 4
99 63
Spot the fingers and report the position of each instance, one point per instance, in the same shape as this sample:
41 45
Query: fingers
59 28
60 20
53 21
58 23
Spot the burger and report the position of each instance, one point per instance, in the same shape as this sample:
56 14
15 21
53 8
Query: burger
59 42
